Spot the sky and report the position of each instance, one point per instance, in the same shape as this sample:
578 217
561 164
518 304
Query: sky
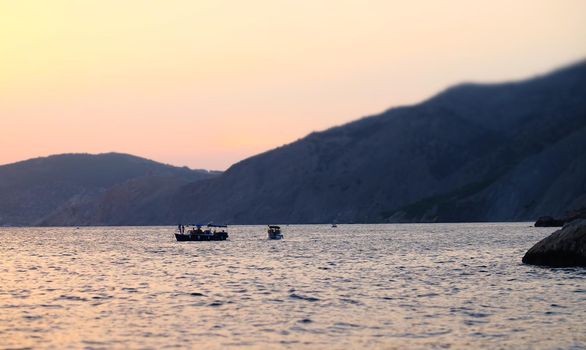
206 83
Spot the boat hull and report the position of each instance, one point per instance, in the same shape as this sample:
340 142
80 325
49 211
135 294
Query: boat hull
275 236
195 237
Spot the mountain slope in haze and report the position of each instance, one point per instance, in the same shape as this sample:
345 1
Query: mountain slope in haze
497 152
42 190
144 200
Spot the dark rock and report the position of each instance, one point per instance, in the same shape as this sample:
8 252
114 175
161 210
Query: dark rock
563 248
548 221
575 214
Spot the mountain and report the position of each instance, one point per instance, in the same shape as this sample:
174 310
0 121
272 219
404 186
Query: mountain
66 189
497 152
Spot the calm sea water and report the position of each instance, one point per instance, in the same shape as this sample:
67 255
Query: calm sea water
357 286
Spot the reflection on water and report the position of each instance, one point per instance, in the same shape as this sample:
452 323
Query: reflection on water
376 286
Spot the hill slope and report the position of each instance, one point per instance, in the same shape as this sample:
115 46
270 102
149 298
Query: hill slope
36 190
496 152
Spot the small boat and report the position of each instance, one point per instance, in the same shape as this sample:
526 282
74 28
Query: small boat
275 232
211 233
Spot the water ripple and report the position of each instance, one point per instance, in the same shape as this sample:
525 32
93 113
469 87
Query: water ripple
358 286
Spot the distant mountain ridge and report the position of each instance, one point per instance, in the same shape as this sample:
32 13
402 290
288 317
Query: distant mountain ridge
40 190
497 152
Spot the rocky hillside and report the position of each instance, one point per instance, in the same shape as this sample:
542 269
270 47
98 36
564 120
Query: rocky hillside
70 188
499 152
496 152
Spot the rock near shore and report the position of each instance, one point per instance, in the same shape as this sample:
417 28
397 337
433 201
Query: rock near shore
548 221
563 248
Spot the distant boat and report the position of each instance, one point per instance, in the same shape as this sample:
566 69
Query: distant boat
195 233
274 232
334 225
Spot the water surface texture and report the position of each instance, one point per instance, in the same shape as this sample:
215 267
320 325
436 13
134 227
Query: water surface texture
356 286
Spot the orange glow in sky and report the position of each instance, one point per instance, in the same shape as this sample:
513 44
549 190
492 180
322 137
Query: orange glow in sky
207 83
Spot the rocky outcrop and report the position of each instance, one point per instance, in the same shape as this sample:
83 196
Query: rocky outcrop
563 248
548 221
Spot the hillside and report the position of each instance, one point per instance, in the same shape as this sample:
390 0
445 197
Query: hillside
498 152
35 190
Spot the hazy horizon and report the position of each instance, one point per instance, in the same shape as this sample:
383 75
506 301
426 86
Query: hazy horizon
208 84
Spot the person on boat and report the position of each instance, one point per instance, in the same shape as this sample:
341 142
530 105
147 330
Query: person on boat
179 228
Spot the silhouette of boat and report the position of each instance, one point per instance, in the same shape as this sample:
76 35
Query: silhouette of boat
195 233
274 232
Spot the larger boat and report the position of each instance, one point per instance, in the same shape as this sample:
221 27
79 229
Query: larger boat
274 232
196 233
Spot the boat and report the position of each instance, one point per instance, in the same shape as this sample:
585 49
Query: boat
274 232
196 233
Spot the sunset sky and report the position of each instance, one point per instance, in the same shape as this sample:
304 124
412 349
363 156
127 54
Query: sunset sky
206 83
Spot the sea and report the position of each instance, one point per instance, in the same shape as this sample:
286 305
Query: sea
392 286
